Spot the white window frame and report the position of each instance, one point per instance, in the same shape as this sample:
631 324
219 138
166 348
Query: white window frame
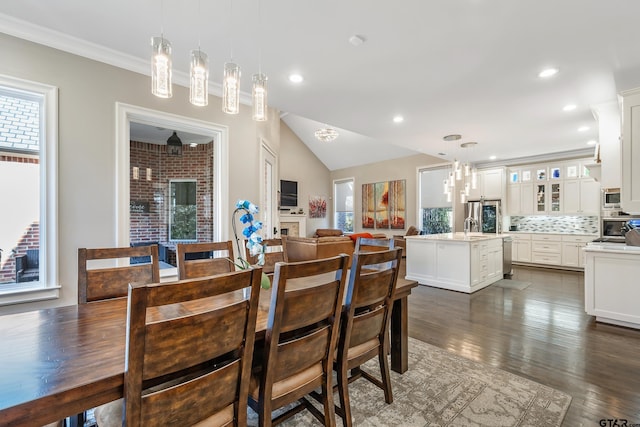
335 202
47 287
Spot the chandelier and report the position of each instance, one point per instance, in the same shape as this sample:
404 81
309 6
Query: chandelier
326 134
462 175
161 73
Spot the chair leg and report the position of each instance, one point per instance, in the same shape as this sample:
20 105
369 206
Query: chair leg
343 392
329 409
385 376
264 414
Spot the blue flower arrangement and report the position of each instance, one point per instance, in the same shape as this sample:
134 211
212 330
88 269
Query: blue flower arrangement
250 232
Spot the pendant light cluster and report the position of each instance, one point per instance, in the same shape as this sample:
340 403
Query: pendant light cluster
161 73
462 175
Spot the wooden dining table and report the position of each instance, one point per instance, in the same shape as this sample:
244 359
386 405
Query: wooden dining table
58 362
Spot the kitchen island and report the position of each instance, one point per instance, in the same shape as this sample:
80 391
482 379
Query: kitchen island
612 284
455 261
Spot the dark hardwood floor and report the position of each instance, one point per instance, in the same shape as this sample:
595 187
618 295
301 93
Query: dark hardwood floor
541 333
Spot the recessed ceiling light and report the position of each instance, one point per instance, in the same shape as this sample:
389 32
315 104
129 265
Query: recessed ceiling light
398 119
295 78
442 154
356 40
548 72
592 142
493 157
583 128
569 107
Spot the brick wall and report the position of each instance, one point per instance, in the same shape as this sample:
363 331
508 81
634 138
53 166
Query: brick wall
194 163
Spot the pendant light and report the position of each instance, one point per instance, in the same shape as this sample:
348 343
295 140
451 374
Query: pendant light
231 78
259 89
161 67
199 75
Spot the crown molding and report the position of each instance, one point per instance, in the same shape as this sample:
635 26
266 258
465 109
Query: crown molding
37 34
562 155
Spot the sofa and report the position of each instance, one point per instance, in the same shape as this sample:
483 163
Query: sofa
28 266
327 242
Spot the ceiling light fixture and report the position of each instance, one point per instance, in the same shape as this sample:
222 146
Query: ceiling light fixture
174 145
259 89
295 78
465 173
398 119
231 77
592 142
569 107
548 72
161 62
583 128
493 157
199 74
326 134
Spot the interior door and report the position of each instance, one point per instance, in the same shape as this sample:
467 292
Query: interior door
268 191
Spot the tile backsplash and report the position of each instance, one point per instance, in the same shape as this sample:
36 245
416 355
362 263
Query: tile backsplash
557 224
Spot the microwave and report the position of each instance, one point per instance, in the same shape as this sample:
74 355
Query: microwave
611 198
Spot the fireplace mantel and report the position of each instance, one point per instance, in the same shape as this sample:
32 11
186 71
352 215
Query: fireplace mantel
294 224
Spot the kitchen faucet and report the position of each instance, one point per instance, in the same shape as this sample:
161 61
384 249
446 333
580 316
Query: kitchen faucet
469 223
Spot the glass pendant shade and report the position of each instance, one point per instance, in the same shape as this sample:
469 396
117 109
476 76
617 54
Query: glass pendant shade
199 78
474 178
259 95
326 134
462 196
161 67
231 88
449 197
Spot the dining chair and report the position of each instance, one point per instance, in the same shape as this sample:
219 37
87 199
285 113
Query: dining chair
275 250
100 276
300 340
188 357
364 328
369 244
204 259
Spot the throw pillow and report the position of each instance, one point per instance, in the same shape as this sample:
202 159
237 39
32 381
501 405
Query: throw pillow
355 236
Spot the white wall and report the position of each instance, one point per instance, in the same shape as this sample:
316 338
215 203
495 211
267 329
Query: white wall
88 92
298 163
403 168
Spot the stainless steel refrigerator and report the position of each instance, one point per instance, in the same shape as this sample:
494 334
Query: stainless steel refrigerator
486 215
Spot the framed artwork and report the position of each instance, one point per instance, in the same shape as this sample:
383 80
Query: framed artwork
397 210
383 205
368 203
317 207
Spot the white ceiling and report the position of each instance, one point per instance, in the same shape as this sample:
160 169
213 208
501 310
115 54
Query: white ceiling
454 66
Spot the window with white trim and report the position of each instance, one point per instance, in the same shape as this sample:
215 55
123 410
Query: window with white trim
28 185
343 205
436 207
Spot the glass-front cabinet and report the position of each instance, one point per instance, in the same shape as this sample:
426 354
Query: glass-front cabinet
556 197
541 199
548 197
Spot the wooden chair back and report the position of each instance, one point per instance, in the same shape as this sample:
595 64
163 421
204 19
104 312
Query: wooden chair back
95 284
275 250
204 259
364 332
301 335
196 361
367 244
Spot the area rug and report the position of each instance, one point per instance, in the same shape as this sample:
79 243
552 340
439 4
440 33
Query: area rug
512 284
443 389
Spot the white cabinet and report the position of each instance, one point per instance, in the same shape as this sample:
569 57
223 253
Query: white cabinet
548 197
490 185
455 264
581 196
630 190
572 254
611 290
521 247
520 199
546 249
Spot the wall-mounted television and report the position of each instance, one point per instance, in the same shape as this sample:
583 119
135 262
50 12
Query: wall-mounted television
288 193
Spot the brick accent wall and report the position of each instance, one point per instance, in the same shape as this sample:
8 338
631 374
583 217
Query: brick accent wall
194 163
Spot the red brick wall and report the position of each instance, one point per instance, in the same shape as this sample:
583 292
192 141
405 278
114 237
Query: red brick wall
194 163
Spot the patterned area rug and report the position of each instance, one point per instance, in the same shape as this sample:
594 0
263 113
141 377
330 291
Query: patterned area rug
443 389
512 284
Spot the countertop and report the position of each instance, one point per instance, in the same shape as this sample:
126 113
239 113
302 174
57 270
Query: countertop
595 235
616 248
458 237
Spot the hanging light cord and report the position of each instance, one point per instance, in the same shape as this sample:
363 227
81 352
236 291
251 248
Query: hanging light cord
231 28
259 38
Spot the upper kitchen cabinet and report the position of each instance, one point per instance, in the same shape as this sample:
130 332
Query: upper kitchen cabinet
630 190
581 196
490 186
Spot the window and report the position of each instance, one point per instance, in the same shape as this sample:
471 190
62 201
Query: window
343 208
183 211
28 183
436 210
